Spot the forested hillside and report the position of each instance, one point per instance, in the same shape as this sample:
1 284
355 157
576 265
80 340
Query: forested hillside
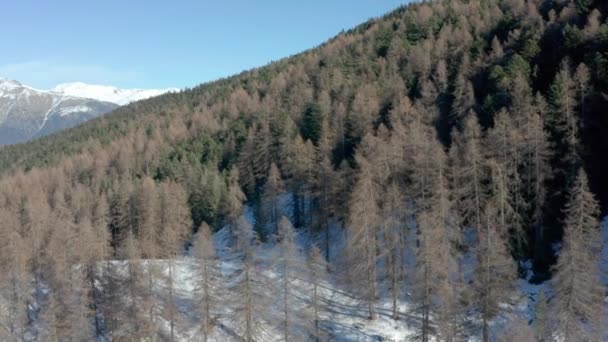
426 163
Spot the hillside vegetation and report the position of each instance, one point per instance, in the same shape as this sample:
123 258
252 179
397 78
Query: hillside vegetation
432 156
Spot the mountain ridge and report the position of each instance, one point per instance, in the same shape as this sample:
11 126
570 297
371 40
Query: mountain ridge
27 113
108 93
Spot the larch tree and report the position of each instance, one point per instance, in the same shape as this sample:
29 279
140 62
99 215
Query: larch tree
393 234
207 279
70 312
106 298
566 97
521 96
234 201
577 306
146 227
345 181
325 194
289 265
445 237
135 285
503 143
255 158
497 50
146 231
174 225
25 217
594 22
495 272
537 155
41 225
14 259
98 249
463 94
299 162
356 123
507 220
89 256
424 277
31 229
271 206
364 110
582 79
246 163
317 276
249 299
410 136
436 288
112 292
469 172
362 228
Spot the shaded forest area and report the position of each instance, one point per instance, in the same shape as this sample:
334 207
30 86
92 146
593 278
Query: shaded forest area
479 120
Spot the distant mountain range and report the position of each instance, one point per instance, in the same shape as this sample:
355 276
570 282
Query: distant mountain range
27 113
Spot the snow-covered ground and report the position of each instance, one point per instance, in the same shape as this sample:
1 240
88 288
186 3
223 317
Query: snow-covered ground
346 318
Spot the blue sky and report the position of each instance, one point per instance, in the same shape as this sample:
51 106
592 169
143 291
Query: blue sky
154 44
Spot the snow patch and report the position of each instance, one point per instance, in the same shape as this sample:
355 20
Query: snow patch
74 109
56 103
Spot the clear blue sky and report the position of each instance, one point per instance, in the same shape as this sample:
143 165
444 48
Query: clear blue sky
177 43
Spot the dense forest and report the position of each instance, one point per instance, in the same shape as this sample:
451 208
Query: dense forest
437 156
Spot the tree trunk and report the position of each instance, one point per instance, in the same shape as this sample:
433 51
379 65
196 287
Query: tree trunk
171 301
316 310
133 298
394 290
487 293
207 296
326 240
248 313
98 327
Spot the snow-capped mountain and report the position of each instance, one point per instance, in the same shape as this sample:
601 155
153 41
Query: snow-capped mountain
27 113
108 93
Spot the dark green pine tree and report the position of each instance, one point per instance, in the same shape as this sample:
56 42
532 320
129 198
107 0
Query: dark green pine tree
312 123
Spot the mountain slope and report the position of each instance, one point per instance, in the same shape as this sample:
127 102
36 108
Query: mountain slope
428 156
